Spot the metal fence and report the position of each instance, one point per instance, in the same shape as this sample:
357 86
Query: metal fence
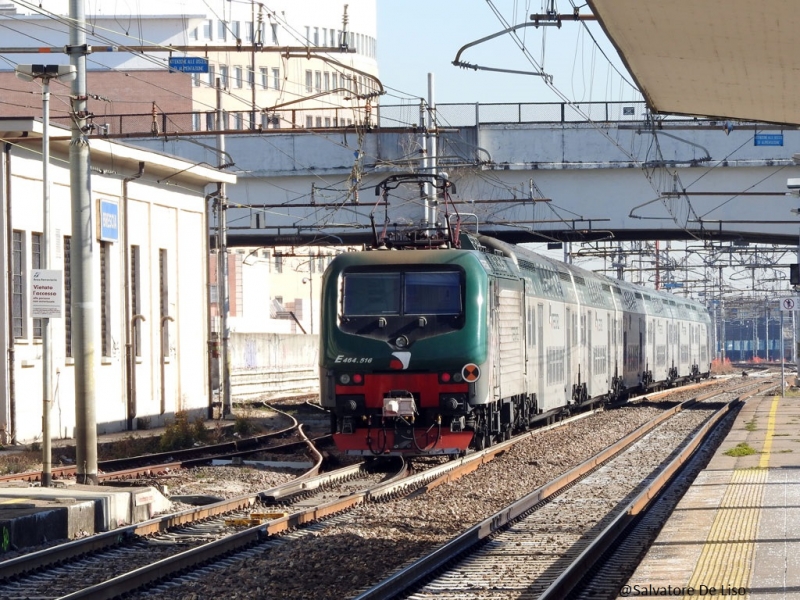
381 116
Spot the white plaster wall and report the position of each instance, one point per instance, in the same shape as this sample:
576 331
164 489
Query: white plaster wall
159 217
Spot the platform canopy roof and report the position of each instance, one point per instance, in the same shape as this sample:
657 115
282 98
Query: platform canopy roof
719 58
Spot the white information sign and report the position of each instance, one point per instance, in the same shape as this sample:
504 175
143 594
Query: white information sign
792 303
46 293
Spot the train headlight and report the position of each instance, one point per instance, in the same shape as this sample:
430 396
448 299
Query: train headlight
457 377
445 377
350 379
401 342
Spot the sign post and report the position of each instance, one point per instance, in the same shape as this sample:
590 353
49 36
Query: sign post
789 304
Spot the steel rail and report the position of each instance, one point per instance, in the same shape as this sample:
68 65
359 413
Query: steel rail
187 457
200 555
574 573
397 484
63 552
404 579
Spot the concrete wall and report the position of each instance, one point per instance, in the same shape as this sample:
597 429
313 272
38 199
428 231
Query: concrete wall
271 365
595 177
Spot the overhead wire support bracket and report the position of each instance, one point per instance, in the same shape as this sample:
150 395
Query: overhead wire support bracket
459 63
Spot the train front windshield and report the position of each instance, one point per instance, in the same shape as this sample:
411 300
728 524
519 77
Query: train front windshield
402 293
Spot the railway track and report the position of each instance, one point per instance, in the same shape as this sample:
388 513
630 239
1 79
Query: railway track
541 545
129 558
276 442
196 537
106 565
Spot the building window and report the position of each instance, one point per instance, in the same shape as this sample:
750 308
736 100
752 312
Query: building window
207 29
264 78
18 283
68 295
276 79
319 121
316 36
309 81
212 76
327 82
309 122
195 34
248 31
278 262
237 121
196 79
237 29
223 76
251 78
237 77
274 33
327 121
324 36
335 77
308 35
222 31
105 300
36 263
333 37
163 293
318 81
196 121
136 303
210 118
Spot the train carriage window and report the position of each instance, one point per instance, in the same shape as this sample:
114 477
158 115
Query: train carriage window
433 293
369 294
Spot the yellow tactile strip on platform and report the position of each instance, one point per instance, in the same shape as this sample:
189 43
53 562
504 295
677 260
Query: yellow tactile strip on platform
764 462
727 557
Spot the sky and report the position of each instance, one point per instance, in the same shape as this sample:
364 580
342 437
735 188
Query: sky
416 37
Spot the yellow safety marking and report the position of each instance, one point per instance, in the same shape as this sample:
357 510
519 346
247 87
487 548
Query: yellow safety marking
764 462
727 556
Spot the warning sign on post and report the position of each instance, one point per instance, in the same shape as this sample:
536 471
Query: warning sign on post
46 293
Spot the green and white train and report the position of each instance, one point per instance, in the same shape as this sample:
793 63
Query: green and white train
434 351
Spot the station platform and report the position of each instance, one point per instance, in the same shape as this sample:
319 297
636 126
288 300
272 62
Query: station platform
34 515
736 531
31 515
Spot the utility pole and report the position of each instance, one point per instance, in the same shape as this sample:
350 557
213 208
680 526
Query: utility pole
222 267
433 200
82 249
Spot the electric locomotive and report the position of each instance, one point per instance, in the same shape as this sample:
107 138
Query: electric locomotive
458 342
435 351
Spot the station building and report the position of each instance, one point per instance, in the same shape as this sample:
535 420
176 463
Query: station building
150 278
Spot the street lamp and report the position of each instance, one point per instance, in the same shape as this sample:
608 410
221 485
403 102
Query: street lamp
46 73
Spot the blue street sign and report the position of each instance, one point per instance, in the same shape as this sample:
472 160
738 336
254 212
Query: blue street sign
768 139
109 220
189 64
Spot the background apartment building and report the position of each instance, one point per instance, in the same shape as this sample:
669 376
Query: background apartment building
135 91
